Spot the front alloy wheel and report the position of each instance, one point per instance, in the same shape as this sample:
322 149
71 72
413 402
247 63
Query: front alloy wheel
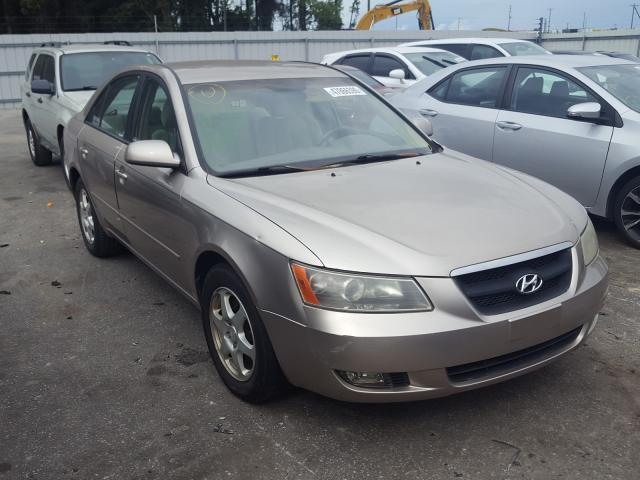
232 334
627 211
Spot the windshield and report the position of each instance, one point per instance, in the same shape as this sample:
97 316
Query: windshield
517 49
255 126
87 71
429 63
621 81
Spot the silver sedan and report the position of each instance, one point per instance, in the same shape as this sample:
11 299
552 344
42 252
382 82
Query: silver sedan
328 243
572 121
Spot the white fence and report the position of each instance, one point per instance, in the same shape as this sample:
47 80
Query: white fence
310 46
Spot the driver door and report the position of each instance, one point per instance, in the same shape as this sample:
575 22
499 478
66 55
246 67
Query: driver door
534 134
149 197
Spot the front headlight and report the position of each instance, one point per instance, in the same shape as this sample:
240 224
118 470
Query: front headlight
358 293
589 241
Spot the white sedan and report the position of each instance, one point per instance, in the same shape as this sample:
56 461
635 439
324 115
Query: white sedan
395 66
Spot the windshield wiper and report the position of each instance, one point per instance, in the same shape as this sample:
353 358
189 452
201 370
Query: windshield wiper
269 170
86 87
372 158
435 62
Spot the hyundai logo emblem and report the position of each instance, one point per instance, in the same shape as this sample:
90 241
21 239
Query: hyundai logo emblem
529 283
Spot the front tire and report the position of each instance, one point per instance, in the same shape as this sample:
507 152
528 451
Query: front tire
627 212
237 339
40 156
95 238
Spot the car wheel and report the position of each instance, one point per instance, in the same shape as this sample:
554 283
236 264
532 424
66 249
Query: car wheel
627 212
237 339
95 238
40 156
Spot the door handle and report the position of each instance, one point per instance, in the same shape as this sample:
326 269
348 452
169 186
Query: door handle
39 99
122 174
84 152
28 94
508 126
427 112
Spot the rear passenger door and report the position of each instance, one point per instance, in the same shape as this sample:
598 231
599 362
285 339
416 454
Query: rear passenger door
149 197
463 109
102 141
533 133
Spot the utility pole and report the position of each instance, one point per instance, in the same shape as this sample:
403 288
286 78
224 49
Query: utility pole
540 29
509 21
458 23
549 21
634 12
584 21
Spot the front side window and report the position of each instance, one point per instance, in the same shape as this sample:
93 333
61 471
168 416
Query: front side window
478 52
517 49
383 64
246 127
358 61
479 87
541 92
431 62
87 71
111 112
621 81
30 65
45 69
158 120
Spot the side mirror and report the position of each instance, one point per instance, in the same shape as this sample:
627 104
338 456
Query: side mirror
424 125
151 153
398 74
587 111
43 87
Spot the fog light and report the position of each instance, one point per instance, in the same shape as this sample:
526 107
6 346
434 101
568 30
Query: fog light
374 379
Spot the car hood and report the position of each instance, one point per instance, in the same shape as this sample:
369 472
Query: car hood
79 99
422 216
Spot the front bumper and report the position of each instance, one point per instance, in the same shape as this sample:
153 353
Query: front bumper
426 345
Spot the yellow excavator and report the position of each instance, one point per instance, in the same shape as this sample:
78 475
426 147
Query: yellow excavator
395 8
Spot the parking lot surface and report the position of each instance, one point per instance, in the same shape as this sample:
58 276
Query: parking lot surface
104 373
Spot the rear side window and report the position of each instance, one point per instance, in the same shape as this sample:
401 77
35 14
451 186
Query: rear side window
358 61
383 64
479 87
112 110
479 52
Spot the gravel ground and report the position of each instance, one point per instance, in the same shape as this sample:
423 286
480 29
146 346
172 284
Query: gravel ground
104 373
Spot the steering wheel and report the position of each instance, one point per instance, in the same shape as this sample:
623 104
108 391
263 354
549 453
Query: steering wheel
338 133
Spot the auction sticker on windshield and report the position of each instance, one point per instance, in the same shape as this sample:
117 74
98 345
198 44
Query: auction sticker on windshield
344 91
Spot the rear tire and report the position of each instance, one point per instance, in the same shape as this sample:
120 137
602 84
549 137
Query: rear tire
626 212
95 238
237 339
40 156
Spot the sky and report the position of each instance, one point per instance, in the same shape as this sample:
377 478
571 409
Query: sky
479 14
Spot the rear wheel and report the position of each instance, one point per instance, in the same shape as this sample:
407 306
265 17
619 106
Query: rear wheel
95 238
627 212
237 339
40 156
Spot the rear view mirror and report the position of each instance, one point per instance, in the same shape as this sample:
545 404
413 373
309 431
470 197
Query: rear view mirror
151 153
43 87
424 125
587 110
398 74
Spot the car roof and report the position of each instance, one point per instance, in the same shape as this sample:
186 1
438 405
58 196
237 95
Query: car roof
401 50
87 48
230 70
559 61
481 40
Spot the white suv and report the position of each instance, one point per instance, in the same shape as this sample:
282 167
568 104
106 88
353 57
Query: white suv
59 81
